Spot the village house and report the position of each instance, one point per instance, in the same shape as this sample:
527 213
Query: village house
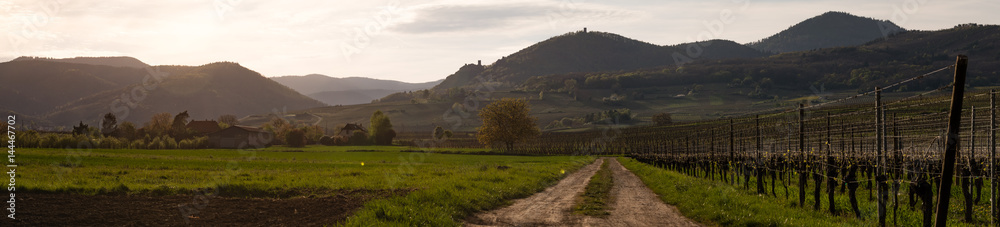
202 128
349 130
240 137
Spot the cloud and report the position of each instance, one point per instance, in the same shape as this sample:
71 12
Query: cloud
489 17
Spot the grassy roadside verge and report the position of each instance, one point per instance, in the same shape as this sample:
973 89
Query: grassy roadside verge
595 197
717 203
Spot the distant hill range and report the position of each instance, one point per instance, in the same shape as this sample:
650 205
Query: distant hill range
831 29
725 78
701 80
59 93
347 91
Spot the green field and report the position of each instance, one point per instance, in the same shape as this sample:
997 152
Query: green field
446 187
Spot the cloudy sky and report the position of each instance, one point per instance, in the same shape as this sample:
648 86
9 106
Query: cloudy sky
413 41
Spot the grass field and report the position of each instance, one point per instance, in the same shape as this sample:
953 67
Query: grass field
597 195
446 187
709 201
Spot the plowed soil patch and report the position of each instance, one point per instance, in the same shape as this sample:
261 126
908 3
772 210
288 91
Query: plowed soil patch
41 209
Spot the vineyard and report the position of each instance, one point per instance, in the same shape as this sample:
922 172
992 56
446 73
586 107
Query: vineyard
888 144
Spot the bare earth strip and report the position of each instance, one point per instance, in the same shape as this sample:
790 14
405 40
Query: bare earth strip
633 204
551 207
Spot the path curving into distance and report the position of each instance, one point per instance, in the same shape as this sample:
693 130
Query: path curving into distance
633 204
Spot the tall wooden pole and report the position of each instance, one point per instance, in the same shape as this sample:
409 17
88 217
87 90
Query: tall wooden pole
732 147
993 153
758 167
802 156
954 126
879 159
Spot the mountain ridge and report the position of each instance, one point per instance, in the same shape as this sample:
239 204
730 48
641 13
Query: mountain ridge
830 29
113 61
590 51
133 94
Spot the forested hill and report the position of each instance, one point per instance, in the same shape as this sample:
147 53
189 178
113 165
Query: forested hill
859 68
62 94
831 29
590 51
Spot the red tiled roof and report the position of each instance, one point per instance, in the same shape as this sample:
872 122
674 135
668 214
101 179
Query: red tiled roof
204 127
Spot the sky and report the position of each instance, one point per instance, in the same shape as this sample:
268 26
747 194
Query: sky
410 41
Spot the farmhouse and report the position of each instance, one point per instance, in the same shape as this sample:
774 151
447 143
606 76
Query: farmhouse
240 137
349 129
202 128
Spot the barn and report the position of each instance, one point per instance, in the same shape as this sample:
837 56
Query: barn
240 137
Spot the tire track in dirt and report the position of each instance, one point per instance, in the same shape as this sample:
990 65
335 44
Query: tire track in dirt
551 207
633 204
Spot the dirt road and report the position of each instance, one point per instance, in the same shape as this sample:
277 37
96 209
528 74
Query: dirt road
633 204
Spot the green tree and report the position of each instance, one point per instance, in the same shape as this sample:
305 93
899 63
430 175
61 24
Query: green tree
505 122
438 132
126 130
278 127
296 138
570 86
109 124
662 119
381 129
359 138
178 127
159 124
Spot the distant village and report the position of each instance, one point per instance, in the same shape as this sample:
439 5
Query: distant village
166 131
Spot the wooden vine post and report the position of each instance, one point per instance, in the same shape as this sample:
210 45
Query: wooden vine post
802 156
951 149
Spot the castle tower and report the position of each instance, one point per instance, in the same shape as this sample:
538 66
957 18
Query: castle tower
480 63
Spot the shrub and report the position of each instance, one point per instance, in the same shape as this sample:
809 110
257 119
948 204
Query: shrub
137 144
662 119
359 138
327 140
168 142
186 144
296 138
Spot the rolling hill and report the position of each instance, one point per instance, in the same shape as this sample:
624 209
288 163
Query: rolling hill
62 94
591 51
36 87
831 29
347 91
